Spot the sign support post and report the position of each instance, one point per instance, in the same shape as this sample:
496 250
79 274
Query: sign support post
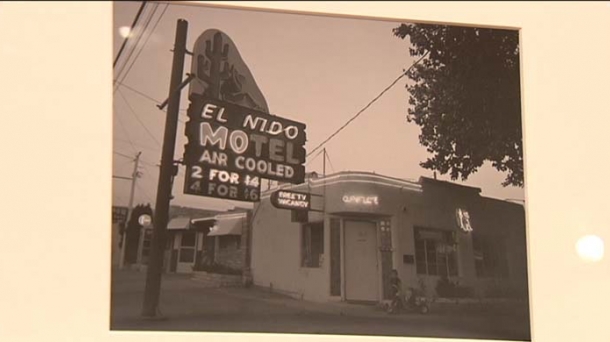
153 271
145 226
134 177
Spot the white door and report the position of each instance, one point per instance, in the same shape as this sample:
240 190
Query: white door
361 276
186 252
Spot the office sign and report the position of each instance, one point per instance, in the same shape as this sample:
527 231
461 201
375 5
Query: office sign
218 183
283 199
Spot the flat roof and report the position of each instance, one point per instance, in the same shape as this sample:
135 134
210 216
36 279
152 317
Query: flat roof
350 177
375 178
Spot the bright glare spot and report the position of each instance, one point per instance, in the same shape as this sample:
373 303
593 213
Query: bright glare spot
124 31
590 248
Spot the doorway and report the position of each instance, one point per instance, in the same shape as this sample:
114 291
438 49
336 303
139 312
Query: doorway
186 252
361 266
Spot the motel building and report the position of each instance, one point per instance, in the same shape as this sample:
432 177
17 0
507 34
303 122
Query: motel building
362 225
217 237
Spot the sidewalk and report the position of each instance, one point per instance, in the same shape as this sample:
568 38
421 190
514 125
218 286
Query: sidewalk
180 293
440 308
188 305
333 308
175 287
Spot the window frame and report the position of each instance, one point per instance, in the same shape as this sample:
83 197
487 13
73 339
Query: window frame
493 259
226 242
305 228
187 247
430 249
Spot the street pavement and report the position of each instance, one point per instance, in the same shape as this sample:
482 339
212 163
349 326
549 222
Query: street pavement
186 305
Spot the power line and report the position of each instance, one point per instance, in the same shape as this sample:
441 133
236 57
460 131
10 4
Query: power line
138 144
119 197
314 158
137 118
152 31
148 97
126 132
367 106
330 162
144 162
135 21
135 46
155 101
138 92
139 34
122 155
149 163
145 193
120 166
141 160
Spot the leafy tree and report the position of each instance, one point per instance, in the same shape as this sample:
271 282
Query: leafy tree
465 96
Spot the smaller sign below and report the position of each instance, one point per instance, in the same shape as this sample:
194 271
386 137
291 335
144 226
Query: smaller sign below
283 199
145 220
217 183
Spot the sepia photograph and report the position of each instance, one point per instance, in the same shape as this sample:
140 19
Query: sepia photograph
297 173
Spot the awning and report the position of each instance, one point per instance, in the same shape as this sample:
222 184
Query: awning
228 226
205 219
203 224
180 222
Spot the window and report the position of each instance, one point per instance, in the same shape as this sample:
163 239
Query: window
408 259
435 253
146 246
187 255
188 239
489 257
229 241
312 244
187 247
223 242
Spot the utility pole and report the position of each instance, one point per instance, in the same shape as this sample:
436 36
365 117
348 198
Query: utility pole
134 177
324 188
168 170
324 163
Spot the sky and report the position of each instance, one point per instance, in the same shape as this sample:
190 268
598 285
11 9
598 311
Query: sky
318 70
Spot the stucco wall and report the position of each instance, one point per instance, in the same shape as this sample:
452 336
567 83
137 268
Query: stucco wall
503 222
276 256
276 241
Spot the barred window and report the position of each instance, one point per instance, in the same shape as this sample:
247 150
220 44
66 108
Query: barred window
229 242
435 253
312 244
489 257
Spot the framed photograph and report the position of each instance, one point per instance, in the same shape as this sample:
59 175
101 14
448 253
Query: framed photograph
301 173
321 182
